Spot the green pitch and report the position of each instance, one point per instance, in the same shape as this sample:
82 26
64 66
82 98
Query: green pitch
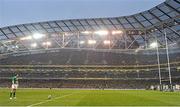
39 97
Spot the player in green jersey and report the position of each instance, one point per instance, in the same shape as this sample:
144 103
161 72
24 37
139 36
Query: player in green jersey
14 86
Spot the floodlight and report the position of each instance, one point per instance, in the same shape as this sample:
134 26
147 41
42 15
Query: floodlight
68 34
17 46
101 32
46 43
154 45
137 50
86 32
33 45
107 42
26 38
82 42
117 32
91 42
37 35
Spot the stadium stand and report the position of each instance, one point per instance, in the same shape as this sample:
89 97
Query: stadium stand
84 57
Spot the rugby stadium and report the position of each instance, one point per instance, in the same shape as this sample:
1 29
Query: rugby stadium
117 61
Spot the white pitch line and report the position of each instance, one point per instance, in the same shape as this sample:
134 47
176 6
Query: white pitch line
50 100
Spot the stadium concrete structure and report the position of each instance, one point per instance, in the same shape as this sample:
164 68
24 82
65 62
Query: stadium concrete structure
96 52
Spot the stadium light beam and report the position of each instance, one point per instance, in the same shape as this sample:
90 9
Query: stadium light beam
101 32
37 35
91 42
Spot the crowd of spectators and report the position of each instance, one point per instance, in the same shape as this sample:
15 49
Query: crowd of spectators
88 57
87 78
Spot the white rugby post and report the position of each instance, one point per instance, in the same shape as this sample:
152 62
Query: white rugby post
155 45
169 68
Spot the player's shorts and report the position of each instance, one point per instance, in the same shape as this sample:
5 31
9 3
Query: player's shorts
14 86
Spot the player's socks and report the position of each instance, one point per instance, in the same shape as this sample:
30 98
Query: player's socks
10 94
14 94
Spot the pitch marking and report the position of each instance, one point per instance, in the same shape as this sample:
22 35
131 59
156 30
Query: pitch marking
50 100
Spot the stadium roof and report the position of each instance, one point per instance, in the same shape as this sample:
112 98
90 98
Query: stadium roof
137 29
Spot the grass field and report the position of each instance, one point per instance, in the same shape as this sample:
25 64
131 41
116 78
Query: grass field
39 97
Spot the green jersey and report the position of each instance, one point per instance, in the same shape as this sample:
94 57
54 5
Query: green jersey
14 80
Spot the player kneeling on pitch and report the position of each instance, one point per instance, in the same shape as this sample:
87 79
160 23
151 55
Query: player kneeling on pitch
14 87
